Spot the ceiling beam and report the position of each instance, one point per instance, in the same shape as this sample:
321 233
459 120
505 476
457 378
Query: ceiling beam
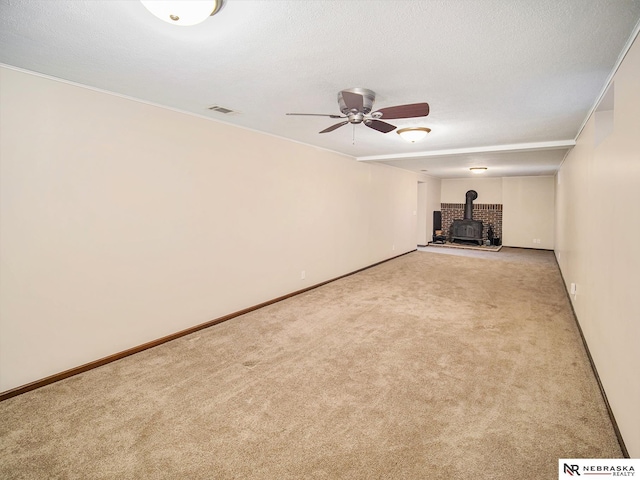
517 147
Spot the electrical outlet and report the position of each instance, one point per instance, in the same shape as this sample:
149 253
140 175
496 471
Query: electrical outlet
303 275
393 247
574 289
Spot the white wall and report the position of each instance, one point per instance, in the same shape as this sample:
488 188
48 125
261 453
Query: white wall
528 212
123 222
597 238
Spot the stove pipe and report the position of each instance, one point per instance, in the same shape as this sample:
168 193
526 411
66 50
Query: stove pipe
468 206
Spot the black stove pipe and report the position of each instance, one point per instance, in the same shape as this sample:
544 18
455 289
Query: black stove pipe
471 195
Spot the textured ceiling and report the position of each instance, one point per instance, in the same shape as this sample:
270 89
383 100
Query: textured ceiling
509 82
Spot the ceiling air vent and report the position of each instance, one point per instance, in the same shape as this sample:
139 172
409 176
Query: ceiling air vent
219 109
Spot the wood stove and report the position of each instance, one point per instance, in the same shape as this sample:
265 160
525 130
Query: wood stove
467 229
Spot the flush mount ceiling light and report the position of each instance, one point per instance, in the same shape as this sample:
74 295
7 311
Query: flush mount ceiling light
478 169
413 134
183 12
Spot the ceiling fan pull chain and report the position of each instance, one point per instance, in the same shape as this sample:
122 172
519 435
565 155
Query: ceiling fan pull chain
353 140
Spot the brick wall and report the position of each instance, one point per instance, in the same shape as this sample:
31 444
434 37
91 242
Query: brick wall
488 213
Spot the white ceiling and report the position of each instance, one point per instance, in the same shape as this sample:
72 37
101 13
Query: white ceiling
510 82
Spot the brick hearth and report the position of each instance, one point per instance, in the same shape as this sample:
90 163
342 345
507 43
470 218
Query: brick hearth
489 213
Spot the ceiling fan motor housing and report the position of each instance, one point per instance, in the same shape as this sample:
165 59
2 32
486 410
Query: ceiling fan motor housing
356 115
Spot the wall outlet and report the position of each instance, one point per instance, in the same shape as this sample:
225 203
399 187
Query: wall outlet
303 275
536 240
573 289
393 247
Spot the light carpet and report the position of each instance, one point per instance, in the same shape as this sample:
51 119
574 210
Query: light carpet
428 366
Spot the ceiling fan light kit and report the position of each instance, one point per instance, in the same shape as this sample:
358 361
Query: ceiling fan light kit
356 105
413 134
183 12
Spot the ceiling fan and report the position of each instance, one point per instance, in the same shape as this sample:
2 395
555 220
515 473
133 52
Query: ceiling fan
356 105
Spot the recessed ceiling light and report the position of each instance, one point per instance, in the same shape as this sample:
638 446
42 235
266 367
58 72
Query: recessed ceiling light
413 134
478 169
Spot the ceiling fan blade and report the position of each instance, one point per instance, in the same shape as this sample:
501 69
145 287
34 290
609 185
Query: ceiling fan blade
405 111
333 127
380 126
317 115
353 101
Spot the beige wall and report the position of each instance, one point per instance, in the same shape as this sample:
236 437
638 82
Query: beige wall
122 222
489 189
434 192
429 194
528 212
597 238
527 202
422 234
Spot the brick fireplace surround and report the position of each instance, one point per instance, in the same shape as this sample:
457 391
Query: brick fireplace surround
489 213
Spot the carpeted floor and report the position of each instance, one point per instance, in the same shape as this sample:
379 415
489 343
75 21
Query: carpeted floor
429 366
